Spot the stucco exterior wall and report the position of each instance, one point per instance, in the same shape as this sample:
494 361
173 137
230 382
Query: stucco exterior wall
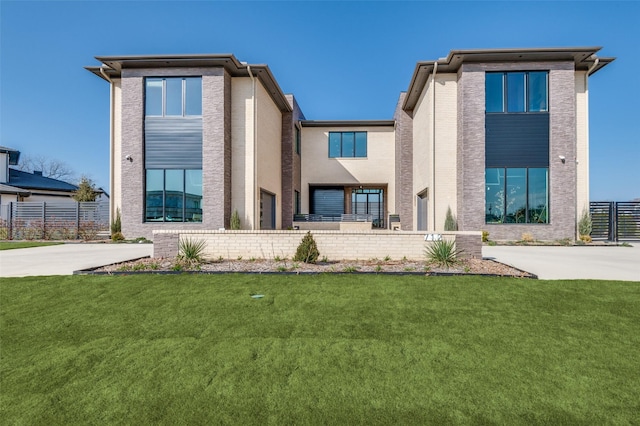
423 152
376 169
582 142
4 167
116 149
269 149
242 167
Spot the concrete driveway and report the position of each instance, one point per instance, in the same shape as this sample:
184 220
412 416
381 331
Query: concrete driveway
579 262
65 258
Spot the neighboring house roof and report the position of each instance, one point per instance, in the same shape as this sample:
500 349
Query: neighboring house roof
113 65
14 155
34 180
584 59
7 189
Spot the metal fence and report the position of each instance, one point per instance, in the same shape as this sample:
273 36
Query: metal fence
29 220
615 221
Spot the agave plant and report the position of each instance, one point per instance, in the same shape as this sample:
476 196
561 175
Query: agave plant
191 250
442 253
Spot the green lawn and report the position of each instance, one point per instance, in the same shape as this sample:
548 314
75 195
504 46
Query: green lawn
9 245
349 349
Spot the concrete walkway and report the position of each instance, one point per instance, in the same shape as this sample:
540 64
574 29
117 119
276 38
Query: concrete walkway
579 262
65 258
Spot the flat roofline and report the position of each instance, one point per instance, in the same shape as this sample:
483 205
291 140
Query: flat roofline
112 66
584 58
347 123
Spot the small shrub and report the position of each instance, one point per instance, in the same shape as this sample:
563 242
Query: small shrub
485 236
586 238
378 268
235 223
307 251
117 236
239 257
190 251
116 225
450 222
325 259
527 237
277 258
387 258
443 253
281 268
585 224
350 268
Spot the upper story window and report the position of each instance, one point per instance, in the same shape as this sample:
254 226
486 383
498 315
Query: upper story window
173 97
297 141
517 91
347 144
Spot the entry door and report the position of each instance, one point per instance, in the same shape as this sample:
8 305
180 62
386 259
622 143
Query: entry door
267 210
421 203
369 201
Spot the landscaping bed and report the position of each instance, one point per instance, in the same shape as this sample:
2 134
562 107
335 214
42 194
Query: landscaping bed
403 266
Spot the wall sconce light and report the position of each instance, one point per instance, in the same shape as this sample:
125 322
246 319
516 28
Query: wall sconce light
128 158
562 158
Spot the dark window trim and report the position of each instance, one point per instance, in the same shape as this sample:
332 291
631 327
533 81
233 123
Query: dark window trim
504 189
341 133
164 198
164 95
505 92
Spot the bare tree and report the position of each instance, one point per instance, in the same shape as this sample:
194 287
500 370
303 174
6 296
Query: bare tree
50 167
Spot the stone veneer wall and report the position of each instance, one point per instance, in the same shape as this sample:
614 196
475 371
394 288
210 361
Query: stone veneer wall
216 149
404 165
336 245
562 141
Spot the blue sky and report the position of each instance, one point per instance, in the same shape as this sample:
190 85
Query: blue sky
342 60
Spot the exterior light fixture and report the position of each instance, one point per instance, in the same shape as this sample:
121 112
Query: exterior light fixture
562 158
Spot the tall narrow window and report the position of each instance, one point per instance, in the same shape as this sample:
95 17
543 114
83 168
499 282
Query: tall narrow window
537 91
297 141
494 86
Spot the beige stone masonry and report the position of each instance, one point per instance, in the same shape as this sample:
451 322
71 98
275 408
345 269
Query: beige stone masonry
335 245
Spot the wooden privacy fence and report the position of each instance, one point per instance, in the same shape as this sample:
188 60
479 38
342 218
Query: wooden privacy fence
29 220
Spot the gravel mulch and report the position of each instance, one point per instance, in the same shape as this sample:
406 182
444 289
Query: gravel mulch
468 266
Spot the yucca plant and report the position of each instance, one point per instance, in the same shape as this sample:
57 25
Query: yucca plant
442 253
190 251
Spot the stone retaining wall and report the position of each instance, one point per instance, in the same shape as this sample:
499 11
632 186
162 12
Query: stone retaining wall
335 245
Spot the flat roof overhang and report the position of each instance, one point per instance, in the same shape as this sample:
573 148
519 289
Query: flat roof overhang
347 123
113 65
584 58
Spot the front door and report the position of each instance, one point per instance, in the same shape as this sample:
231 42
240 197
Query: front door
369 201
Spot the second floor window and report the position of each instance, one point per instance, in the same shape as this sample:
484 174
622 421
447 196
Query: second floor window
173 97
516 91
347 144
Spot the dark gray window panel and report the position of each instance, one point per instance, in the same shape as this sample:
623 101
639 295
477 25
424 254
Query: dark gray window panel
173 143
517 140
327 201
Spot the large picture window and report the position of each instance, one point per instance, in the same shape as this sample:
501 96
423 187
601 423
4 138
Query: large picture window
514 92
347 144
173 195
173 97
517 195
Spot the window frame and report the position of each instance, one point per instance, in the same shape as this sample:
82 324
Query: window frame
527 92
163 97
163 193
354 150
504 197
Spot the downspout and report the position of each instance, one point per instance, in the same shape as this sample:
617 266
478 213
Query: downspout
586 93
112 201
433 146
256 213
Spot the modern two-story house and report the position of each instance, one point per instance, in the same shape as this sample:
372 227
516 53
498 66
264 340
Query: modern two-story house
499 136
